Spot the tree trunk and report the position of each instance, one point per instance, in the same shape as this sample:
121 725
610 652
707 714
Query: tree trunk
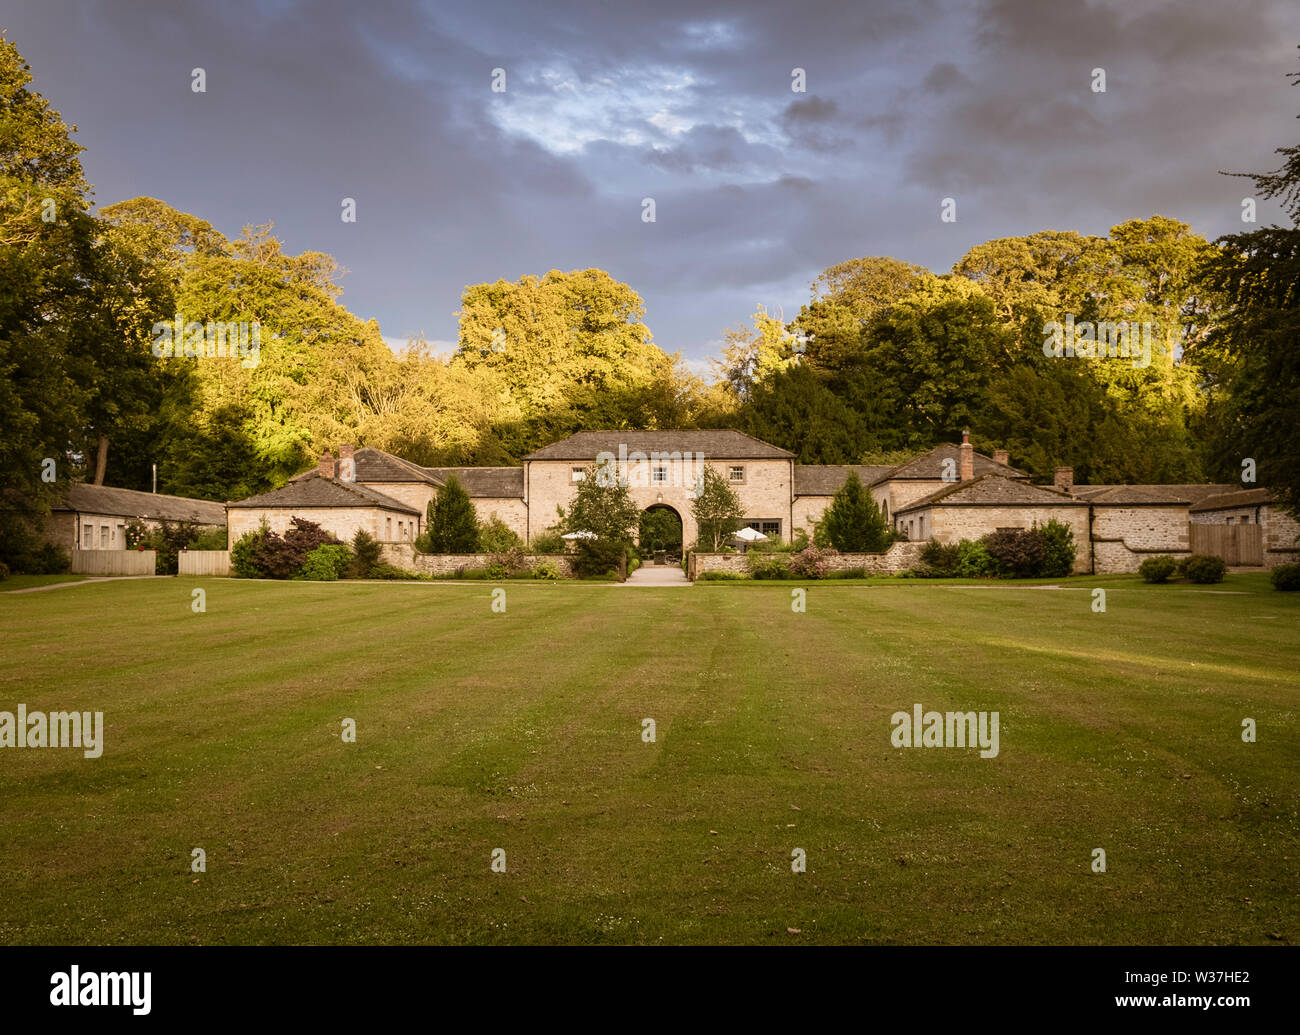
101 459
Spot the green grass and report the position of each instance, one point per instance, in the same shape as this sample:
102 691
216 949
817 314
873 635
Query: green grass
522 731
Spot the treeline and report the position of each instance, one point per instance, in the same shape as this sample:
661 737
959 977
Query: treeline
884 360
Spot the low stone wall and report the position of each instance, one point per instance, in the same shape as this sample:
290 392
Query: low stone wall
113 562
402 555
899 557
203 562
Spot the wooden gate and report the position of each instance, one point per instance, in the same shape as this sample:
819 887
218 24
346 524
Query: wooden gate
1237 544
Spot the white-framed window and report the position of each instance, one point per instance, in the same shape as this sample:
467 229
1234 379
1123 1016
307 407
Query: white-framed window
660 475
87 537
578 474
736 474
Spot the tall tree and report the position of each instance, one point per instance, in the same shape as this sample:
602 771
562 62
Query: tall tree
716 509
454 526
853 522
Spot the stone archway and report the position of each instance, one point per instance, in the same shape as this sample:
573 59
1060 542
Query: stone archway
659 531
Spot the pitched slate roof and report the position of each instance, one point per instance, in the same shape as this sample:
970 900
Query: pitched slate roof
374 465
815 480
929 466
483 482
103 499
1239 498
714 445
993 490
1147 495
312 490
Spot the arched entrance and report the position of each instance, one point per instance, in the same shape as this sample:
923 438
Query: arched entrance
659 533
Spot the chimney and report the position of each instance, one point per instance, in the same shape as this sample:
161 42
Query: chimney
1065 479
326 465
345 452
967 457
1001 456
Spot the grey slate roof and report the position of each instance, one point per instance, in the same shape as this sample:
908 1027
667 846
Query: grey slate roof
993 490
103 499
714 445
484 482
929 466
311 490
1238 498
1148 495
374 465
816 480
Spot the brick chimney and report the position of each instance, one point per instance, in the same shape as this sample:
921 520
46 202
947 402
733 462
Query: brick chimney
326 465
967 457
1065 479
1001 456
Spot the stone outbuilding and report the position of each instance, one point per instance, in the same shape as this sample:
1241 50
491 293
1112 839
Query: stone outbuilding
94 517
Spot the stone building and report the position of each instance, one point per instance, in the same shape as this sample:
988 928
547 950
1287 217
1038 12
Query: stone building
948 493
94 517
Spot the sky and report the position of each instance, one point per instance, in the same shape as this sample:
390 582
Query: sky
757 187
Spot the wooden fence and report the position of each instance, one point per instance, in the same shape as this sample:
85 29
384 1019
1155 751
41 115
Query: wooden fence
1238 545
113 562
203 562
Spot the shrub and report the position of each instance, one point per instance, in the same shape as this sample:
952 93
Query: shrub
767 565
549 541
388 571
366 552
210 539
1158 569
4 571
167 540
1058 559
722 576
495 536
244 554
508 562
423 543
326 563
52 560
1286 577
847 573
974 561
597 557
1019 552
939 560
1204 569
547 570
633 562
809 563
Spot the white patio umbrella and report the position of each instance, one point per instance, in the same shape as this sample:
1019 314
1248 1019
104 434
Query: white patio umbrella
748 535
580 535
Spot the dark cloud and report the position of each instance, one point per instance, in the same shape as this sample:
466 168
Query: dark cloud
756 188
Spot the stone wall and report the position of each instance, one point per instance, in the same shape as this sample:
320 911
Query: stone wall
1124 537
446 564
1281 537
899 557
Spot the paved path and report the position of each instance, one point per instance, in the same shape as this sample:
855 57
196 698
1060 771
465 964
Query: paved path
658 575
81 582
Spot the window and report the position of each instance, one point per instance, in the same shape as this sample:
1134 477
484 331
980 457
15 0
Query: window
578 474
388 528
87 537
1229 520
401 530
660 475
770 528
736 474
103 537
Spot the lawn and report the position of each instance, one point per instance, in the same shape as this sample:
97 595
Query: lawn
523 731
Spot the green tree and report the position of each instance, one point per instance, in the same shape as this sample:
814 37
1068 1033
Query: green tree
853 522
660 529
454 526
602 506
794 410
716 509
